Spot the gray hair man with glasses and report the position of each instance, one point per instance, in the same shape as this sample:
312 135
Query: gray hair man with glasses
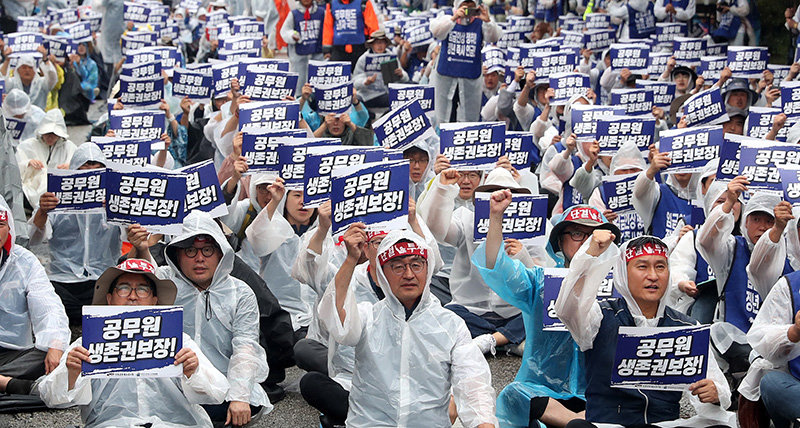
410 353
220 314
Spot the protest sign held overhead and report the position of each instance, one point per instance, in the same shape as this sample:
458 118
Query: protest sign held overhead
401 93
614 131
202 189
525 218
472 145
565 85
328 72
690 149
137 123
747 61
320 163
705 108
403 127
271 115
259 147
335 98
78 191
154 199
128 151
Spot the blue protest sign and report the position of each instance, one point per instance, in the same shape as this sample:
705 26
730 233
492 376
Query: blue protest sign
292 158
126 341
373 63
240 55
137 123
142 70
171 31
565 85
790 179
260 148
667 31
248 28
790 98
142 92
779 71
658 63
597 20
202 189
717 49
553 277
170 56
660 358
747 61
194 85
472 145
223 73
328 72
634 57
24 42
270 115
373 193
80 31
599 40
634 100
710 67
154 199
520 149
78 191
419 35
493 58
614 131
617 192
134 152
573 38
690 149
335 98
585 117
688 50
320 162
760 119
760 162
240 43
66 16
134 40
15 127
31 24
401 93
663 92
262 84
705 108
135 12
729 156
546 64
403 127
525 218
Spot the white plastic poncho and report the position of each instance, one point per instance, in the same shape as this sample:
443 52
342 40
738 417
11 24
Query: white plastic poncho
40 86
277 246
34 181
116 402
298 63
29 306
578 308
17 103
238 213
433 356
111 29
82 246
223 319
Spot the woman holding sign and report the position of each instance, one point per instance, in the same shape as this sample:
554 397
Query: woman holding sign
641 276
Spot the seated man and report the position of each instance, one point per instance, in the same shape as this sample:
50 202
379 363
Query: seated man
136 401
340 126
542 390
220 313
775 335
641 276
432 353
82 246
29 309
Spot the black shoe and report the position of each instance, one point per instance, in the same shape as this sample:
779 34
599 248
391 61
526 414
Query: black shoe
274 391
326 423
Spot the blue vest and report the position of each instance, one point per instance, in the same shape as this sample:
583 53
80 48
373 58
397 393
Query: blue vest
348 23
460 55
630 224
742 301
728 26
793 279
310 32
641 24
625 406
571 196
669 210
702 268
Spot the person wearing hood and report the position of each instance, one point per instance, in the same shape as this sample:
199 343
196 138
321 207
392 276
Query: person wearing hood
737 93
458 70
86 69
674 11
408 390
421 170
220 313
638 19
369 82
81 246
736 119
544 389
641 276
33 325
302 31
17 107
242 211
662 205
491 320
341 126
774 335
533 102
684 77
27 78
492 76
276 237
50 148
136 401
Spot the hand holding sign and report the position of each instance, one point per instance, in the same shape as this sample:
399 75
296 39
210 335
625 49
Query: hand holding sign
355 240
75 359
705 390
736 187
188 358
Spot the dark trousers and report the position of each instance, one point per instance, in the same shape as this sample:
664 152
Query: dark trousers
24 364
381 101
311 356
325 395
512 328
338 53
74 295
219 412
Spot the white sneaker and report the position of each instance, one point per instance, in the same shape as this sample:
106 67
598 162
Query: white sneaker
486 343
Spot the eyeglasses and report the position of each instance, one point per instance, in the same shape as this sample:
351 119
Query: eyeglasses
471 175
417 161
400 268
207 251
576 235
125 290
